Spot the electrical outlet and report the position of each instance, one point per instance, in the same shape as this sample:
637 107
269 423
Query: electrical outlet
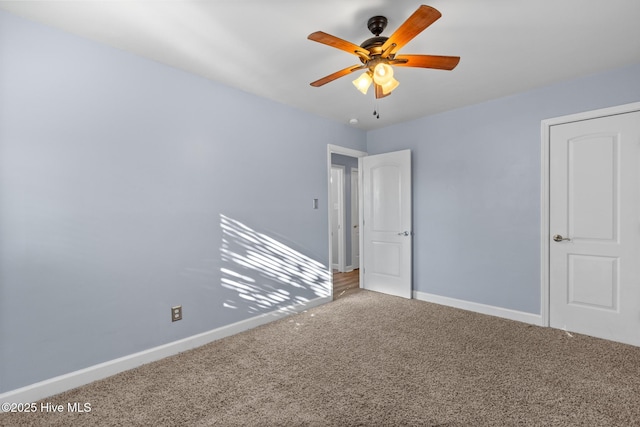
176 313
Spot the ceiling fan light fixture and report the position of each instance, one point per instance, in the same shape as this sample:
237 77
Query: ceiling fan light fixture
378 53
363 82
382 74
389 86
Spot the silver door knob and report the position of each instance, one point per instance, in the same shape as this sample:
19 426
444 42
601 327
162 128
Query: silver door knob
559 238
403 233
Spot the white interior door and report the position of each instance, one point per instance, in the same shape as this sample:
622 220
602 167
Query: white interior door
594 221
387 235
355 220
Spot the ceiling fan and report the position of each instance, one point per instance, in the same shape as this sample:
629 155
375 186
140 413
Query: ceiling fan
379 53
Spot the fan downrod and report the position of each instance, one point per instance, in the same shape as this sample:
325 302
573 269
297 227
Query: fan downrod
376 25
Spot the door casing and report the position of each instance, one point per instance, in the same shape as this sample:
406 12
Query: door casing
355 219
545 191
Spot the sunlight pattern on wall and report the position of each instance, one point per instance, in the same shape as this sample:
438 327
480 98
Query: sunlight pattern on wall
266 274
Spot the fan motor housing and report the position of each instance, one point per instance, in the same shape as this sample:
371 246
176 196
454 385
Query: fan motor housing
374 44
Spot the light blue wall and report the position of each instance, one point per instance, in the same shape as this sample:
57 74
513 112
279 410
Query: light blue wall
476 188
127 187
118 179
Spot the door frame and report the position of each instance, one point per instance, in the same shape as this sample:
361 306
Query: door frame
355 202
545 190
331 149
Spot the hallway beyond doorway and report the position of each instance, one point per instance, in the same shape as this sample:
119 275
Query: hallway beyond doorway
345 283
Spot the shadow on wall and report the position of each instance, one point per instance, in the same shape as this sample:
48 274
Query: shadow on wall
266 274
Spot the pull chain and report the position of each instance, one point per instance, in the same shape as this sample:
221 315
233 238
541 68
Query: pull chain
376 109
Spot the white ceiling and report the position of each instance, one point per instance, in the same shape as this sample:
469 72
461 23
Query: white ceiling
261 46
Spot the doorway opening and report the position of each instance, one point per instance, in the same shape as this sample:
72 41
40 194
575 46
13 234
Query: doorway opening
344 219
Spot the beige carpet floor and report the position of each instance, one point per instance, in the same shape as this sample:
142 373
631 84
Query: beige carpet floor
373 360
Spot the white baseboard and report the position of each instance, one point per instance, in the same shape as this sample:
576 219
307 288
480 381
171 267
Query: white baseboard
520 316
62 383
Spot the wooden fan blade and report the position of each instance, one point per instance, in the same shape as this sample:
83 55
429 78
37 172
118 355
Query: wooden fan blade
333 41
414 25
426 61
379 93
336 75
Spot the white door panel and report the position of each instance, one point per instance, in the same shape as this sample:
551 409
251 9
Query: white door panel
595 208
387 223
